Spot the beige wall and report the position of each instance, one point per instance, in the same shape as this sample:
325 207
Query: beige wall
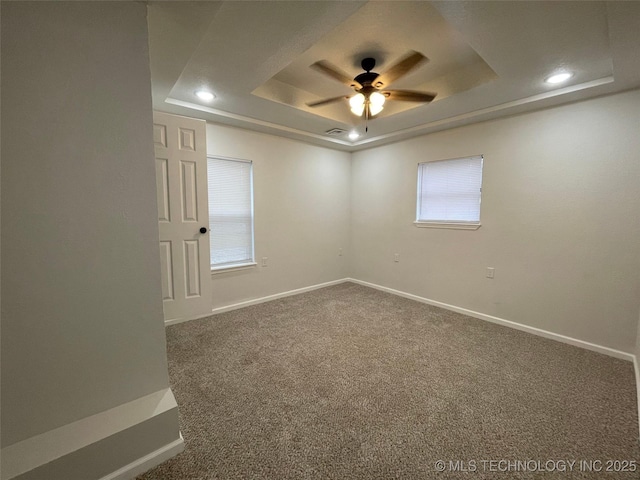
559 216
301 203
82 315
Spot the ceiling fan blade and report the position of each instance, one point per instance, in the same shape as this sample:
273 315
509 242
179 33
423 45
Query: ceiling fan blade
335 73
409 96
326 101
404 66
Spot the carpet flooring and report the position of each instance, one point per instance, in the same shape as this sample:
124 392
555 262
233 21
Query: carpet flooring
348 382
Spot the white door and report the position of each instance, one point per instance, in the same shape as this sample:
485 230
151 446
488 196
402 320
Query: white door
181 176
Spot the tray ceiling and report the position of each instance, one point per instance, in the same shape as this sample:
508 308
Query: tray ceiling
486 60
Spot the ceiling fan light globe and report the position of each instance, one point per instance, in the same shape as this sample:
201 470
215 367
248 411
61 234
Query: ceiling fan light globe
375 109
377 98
358 110
357 101
357 104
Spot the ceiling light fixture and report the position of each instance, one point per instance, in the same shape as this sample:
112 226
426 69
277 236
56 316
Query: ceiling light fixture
370 102
205 95
559 78
353 135
376 102
357 104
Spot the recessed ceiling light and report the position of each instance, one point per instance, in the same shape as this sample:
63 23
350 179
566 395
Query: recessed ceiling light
205 95
353 135
559 77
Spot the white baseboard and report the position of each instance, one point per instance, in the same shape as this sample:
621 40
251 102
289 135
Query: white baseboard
256 301
507 323
175 321
131 471
44 450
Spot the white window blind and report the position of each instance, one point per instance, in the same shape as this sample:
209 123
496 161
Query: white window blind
230 211
449 191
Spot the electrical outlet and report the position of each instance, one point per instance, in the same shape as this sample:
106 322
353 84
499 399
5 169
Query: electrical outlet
340 252
396 257
490 272
264 261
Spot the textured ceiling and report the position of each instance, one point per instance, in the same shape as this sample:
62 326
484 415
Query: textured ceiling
486 59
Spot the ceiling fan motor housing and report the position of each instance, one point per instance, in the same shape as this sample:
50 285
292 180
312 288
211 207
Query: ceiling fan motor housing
368 64
366 79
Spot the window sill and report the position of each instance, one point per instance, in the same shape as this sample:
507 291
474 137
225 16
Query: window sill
454 226
232 268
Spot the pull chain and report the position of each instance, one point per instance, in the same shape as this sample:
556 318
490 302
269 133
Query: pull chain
366 117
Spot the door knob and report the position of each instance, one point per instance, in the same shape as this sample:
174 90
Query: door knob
203 229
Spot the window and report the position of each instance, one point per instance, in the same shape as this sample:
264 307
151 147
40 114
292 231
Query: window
230 212
449 193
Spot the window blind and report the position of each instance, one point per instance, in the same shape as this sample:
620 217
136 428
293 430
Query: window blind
449 190
230 211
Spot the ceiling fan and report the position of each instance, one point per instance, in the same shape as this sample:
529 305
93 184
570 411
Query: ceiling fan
370 96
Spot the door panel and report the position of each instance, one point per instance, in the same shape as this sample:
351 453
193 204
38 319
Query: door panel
162 187
181 179
159 135
167 274
192 274
187 139
189 192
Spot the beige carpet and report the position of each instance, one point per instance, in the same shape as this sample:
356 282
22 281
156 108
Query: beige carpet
348 382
